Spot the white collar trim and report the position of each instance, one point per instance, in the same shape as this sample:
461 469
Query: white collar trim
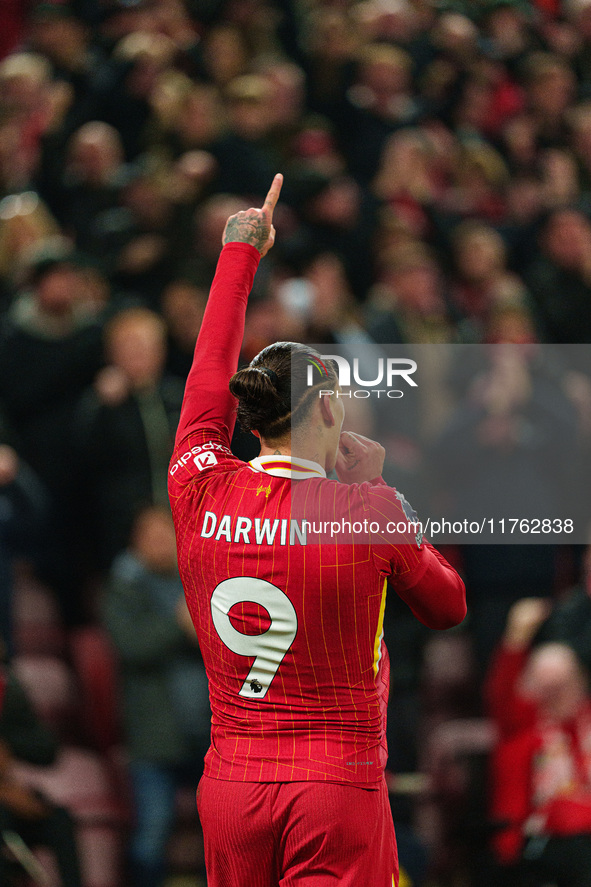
287 466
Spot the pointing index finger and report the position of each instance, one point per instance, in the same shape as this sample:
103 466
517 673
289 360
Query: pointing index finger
273 195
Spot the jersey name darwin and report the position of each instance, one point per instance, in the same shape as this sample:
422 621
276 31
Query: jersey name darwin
259 531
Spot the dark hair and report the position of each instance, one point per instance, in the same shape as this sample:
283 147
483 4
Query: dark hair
274 394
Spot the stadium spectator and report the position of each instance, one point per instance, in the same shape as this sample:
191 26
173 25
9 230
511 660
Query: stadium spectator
226 53
379 101
531 622
183 305
26 227
330 39
558 277
478 186
338 216
165 703
541 791
570 619
410 176
578 14
32 104
208 225
138 60
332 313
523 700
559 177
92 180
124 430
287 82
50 350
482 280
408 302
245 153
550 91
580 119
140 241
186 116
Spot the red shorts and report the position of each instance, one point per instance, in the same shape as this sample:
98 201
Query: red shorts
281 834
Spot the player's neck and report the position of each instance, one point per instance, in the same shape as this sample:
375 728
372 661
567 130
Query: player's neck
275 449
307 453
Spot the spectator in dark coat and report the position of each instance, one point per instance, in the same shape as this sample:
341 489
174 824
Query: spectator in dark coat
92 180
125 429
559 279
379 102
165 696
50 350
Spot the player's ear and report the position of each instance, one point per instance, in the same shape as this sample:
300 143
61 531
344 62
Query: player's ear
326 410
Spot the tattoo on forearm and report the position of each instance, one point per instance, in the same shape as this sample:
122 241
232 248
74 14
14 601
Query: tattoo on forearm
251 230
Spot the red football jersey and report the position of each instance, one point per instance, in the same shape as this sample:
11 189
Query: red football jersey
290 630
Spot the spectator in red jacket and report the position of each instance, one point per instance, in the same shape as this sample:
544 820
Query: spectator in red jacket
541 773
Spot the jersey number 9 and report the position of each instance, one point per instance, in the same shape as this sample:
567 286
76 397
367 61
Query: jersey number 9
268 648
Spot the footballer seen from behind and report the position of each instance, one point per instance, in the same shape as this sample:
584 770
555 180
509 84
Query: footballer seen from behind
293 790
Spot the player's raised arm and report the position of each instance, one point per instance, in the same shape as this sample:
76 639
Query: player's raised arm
247 237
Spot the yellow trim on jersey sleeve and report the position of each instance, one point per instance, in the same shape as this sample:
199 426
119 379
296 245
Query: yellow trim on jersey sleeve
377 645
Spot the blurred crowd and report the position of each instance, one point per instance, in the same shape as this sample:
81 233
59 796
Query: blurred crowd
437 164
